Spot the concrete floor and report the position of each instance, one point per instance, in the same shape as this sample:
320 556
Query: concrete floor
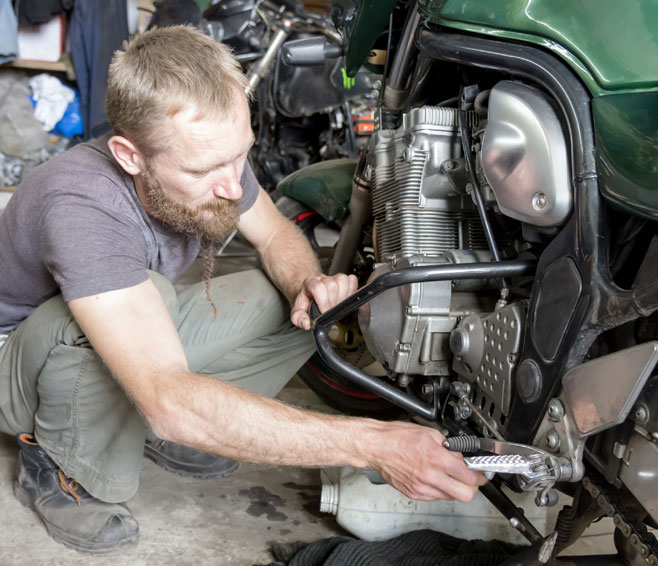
186 521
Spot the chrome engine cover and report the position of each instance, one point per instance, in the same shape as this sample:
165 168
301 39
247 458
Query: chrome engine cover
524 156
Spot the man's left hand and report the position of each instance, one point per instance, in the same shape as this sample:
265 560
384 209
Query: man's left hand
326 291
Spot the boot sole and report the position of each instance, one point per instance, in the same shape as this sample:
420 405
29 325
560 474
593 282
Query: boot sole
184 470
65 538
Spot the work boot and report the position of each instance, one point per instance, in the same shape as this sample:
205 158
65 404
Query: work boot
71 516
186 461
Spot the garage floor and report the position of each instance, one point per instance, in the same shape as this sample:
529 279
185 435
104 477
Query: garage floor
186 521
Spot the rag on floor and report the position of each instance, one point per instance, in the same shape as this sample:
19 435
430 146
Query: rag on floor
417 548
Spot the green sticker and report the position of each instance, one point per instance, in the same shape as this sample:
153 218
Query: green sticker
348 82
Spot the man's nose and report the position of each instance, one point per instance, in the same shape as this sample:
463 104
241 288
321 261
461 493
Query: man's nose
228 186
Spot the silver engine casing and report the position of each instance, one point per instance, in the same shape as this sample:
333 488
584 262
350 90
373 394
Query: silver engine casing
423 218
420 219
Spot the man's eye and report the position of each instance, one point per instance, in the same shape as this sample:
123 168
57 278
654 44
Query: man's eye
198 174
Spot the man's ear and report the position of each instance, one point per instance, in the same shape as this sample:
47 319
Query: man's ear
127 155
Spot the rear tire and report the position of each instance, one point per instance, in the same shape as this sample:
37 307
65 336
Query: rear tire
335 390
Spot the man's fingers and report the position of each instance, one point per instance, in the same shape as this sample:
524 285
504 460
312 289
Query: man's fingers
325 291
299 313
454 466
457 490
300 318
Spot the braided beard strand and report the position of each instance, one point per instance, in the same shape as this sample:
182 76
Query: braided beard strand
210 221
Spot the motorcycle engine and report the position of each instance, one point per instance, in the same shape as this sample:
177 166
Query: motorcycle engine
424 215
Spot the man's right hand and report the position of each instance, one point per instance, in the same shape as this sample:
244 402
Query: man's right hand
412 459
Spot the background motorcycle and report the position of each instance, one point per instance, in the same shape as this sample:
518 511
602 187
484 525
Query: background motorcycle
303 112
503 218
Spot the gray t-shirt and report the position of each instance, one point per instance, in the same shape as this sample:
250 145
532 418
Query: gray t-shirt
76 226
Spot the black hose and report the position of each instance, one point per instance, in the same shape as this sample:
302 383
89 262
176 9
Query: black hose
479 201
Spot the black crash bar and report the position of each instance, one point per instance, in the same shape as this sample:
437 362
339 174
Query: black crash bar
386 281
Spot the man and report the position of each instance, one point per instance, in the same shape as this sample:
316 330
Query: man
100 344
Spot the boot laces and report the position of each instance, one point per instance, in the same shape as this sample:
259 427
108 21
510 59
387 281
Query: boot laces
69 485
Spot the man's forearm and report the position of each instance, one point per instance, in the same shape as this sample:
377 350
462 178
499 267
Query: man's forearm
290 264
220 418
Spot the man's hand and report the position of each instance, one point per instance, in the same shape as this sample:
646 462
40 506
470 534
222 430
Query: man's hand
326 291
415 462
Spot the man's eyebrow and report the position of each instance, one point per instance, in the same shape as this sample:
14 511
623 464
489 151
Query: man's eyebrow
218 165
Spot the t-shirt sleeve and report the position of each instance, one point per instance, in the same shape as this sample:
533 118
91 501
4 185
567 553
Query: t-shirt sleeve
249 185
88 250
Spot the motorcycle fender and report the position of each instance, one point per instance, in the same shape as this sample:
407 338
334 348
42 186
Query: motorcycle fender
325 187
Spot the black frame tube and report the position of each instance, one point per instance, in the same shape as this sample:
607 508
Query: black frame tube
388 281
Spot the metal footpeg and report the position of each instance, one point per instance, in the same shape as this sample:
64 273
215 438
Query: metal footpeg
506 464
537 469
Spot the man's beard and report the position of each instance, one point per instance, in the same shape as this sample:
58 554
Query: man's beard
211 221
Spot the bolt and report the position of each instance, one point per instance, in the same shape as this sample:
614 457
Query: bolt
409 154
641 414
428 389
539 201
541 499
553 441
555 410
449 165
404 379
377 85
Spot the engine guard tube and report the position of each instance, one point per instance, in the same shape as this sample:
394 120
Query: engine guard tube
384 282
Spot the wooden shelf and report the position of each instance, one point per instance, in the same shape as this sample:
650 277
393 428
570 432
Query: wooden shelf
63 66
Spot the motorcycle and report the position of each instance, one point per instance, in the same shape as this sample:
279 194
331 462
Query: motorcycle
502 223
303 109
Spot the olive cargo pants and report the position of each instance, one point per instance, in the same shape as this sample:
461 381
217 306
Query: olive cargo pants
53 383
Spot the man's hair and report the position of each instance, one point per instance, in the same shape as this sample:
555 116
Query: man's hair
163 71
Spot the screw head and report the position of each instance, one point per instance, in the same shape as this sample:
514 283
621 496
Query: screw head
641 414
553 441
555 410
539 201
